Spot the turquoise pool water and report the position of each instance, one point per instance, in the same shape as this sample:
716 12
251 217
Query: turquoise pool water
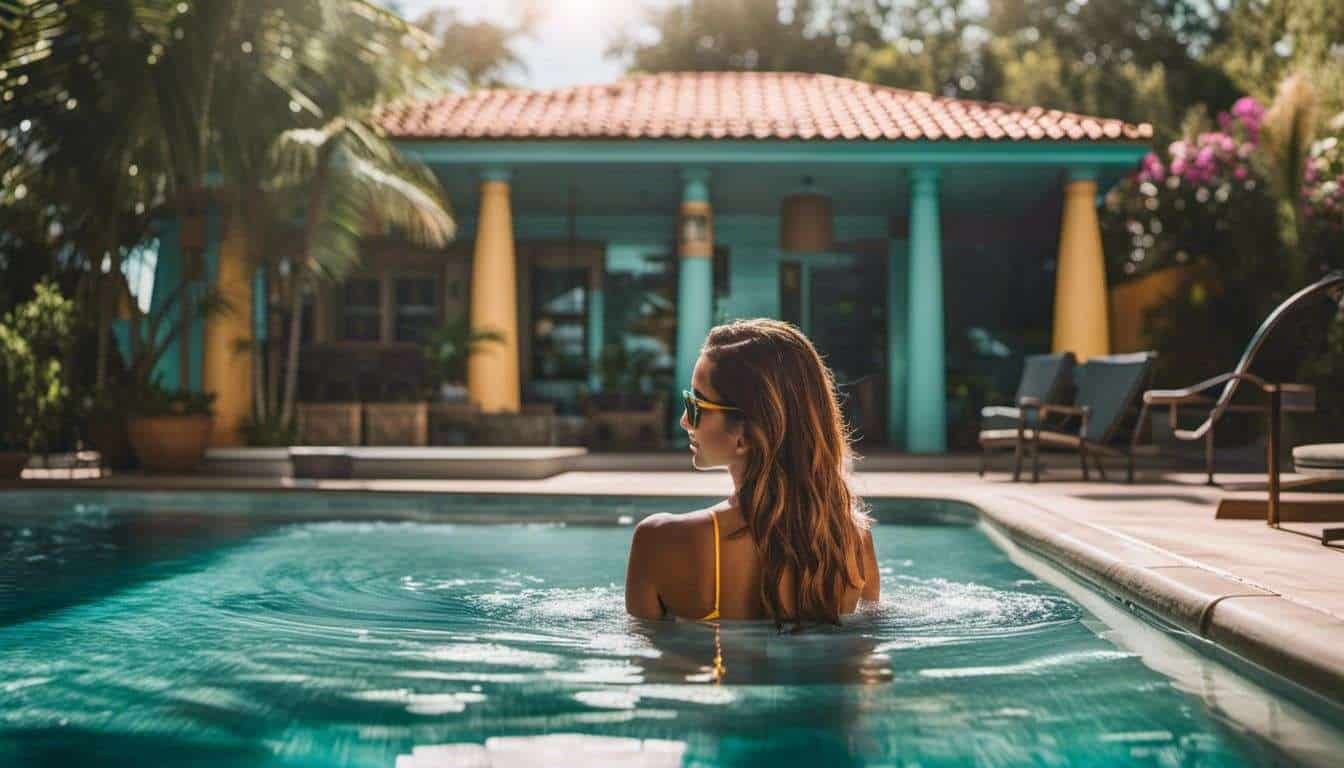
229 630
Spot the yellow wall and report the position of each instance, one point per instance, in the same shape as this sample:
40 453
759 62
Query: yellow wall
227 369
1131 301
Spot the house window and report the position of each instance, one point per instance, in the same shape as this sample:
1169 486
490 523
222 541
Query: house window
640 309
559 323
417 307
362 315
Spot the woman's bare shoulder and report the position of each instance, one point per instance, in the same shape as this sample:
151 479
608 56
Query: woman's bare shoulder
672 522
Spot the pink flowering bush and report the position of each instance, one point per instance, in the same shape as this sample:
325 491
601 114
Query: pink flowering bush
1192 201
1323 186
1203 203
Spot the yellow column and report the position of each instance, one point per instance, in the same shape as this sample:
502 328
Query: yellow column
1080 282
492 373
227 368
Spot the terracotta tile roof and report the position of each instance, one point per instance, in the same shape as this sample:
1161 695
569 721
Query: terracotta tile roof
740 105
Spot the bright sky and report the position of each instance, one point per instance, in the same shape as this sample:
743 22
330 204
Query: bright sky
568 46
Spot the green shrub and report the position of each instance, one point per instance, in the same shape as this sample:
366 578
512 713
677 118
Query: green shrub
34 339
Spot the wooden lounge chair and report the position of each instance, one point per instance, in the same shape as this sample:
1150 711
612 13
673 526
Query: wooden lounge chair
1318 462
1292 397
1045 379
1106 390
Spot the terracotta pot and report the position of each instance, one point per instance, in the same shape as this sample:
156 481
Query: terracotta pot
172 443
12 464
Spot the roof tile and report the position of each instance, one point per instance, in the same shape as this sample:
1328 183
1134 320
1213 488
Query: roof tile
740 105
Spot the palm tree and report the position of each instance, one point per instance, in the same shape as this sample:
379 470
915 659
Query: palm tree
352 181
165 94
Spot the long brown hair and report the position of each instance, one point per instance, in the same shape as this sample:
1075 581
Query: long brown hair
803 517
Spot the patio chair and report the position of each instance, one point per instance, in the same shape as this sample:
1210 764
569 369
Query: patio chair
1045 379
1318 462
1293 397
1106 391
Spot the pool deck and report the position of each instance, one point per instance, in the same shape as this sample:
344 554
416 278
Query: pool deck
1271 597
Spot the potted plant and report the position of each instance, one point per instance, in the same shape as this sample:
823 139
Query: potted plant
447 350
169 430
34 338
625 414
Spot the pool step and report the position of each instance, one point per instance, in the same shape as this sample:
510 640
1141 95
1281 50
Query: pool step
550 749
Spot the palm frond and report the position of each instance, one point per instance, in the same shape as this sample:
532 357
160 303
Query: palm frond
403 203
297 153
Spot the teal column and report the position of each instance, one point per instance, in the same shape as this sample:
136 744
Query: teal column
898 314
260 305
695 274
209 265
167 273
926 395
595 319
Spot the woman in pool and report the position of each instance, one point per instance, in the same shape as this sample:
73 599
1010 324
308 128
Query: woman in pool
793 542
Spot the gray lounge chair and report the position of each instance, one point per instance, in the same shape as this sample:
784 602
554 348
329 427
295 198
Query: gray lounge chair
1318 462
1045 379
1107 389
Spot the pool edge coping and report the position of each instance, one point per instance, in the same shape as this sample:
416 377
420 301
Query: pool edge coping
1284 638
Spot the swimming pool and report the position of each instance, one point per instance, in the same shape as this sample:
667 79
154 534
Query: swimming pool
296 629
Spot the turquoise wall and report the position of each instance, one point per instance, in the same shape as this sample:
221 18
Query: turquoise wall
167 273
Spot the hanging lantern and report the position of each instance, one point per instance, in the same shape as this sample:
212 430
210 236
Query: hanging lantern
806 222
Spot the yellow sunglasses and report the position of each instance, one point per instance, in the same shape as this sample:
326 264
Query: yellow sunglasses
695 405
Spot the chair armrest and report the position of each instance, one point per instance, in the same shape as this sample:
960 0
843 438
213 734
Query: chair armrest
1175 397
1006 411
1205 385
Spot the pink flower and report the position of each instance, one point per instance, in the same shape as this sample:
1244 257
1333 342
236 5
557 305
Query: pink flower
1240 173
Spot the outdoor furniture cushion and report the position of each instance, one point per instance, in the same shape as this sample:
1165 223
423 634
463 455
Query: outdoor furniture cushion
1046 378
1323 457
1047 437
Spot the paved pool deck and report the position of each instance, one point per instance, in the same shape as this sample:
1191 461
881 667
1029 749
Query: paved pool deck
1271 597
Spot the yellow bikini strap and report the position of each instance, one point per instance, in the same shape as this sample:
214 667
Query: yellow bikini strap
715 518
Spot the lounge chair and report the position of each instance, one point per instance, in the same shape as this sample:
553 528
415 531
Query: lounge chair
1323 462
1045 379
1107 388
1293 397
1317 462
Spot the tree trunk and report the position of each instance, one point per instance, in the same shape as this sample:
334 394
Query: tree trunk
292 356
272 349
103 330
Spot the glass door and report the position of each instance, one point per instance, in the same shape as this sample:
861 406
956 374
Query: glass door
845 316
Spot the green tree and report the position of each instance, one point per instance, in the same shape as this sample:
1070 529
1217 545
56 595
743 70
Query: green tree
477 54
1265 42
34 339
719 35
927 46
122 107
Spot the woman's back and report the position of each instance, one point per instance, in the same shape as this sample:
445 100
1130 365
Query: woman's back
681 553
